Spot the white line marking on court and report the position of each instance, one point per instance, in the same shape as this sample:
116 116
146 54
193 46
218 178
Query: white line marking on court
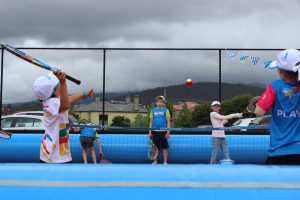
104 184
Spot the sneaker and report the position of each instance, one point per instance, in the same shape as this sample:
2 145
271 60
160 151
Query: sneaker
165 163
154 163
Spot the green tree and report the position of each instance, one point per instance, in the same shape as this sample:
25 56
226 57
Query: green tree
169 105
120 121
140 121
236 104
200 116
184 118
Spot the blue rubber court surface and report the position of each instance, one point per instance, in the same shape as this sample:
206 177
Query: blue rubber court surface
78 181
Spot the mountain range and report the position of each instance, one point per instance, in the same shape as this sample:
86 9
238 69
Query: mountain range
198 92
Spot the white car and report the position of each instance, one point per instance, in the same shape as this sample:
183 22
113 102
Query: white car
22 122
72 119
243 122
30 121
38 113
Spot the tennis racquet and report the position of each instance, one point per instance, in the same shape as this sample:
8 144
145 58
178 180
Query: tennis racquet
151 150
34 61
103 160
251 105
5 134
101 156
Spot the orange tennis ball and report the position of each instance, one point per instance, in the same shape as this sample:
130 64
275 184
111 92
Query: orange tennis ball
189 82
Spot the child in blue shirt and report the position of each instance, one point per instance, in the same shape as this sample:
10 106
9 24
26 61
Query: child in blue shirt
87 137
160 118
283 96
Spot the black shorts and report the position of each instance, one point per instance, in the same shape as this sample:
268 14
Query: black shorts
87 142
159 139
293 159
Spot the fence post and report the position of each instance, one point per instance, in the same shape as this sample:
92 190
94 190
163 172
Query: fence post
1 88
103 85
220 75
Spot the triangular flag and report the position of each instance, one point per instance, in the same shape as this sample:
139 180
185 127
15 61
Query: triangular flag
254 60
267 62
231 54
243 58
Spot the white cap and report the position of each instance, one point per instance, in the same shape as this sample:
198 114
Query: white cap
44 86
287 60
161 97
215 103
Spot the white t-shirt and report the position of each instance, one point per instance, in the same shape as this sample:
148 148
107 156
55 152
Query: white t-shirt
218 120
55 147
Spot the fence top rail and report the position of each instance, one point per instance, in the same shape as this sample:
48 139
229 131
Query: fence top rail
160 49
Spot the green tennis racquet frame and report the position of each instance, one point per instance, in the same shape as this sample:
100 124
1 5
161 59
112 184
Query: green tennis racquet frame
151 150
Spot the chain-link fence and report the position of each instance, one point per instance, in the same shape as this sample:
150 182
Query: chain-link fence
126 81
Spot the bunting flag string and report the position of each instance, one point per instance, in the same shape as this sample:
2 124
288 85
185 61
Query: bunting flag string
231 54
253 59
243 58
267 62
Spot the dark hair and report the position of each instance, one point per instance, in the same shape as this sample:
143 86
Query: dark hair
290 74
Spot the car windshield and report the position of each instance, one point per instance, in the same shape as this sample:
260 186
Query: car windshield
262 120
6 122
237 122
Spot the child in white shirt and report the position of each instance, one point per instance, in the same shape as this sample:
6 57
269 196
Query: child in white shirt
218 136
51 89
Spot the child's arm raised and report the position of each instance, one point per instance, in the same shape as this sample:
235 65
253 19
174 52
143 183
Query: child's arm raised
64 100
77 97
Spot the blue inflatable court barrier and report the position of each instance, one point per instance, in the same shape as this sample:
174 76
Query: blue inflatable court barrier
132 148
135 182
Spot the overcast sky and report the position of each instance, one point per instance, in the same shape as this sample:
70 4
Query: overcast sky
140 23
152 23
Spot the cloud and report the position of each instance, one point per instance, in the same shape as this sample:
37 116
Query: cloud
156 23
141 24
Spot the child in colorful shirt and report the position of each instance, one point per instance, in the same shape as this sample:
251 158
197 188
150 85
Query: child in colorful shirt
51 89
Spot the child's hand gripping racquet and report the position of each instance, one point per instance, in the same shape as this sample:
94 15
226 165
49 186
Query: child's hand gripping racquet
251 105
34 61
101 156
151 150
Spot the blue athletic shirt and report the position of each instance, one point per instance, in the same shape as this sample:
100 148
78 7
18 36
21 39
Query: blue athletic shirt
89 132
159 116
285 126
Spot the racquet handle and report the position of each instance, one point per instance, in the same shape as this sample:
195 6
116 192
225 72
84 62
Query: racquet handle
73 79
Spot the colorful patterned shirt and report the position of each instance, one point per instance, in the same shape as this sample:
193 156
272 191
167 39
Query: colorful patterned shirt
55 147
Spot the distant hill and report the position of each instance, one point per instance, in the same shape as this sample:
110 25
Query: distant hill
36 105
198 92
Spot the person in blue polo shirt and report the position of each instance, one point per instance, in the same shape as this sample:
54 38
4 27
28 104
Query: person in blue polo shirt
283 96
160 118
87 137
